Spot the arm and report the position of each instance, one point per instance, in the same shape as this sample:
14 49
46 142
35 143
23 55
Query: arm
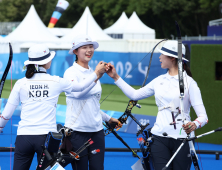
133 94
82 93
11 105
202 118
85 84
130 92
105 117
88 83
197 103
6 114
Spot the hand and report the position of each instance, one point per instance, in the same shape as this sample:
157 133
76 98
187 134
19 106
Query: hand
113 120
112 72
189 127
101 68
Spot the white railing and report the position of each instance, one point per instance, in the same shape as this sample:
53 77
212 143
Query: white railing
187 38
215 22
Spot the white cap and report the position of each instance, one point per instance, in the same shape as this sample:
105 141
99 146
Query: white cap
170 48
82 40
39 54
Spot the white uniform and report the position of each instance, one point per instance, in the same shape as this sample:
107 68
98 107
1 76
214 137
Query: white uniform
83 108
39 96
166 91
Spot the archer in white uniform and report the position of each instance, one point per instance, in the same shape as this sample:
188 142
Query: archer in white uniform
165 88
83 113
38 93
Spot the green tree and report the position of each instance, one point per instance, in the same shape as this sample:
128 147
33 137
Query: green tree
192 15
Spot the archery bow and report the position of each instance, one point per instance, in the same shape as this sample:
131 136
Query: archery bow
181 86
2 85
133 103
118 137
5 73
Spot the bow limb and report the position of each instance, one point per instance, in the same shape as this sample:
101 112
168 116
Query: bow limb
131 104
118 137
5 73
148 70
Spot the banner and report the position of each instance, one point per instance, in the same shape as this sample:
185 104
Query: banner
132 67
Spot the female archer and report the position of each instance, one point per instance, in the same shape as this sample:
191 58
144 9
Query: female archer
165 88
83 114
38 93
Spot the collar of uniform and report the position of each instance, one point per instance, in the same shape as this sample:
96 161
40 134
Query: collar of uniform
80 67
168 76
42 69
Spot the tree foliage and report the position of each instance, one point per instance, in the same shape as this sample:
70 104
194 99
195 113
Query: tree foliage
192 15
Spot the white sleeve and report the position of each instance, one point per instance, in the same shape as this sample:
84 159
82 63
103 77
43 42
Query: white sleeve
197 103
105 117
195 95
14 97
74 86
84 92
6 114
133 94
202 118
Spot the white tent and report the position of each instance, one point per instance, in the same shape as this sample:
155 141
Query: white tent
136 29
86 25
31 29
116 30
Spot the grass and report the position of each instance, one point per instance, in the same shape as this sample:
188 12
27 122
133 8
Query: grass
116 101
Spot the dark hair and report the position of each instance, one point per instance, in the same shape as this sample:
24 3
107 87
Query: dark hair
30 71
185 67
76 55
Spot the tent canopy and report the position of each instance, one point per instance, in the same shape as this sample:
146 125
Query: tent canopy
118 26
136 29
86 25
31 29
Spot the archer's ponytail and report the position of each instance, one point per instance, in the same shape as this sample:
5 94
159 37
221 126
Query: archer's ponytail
76 58
187 69
30 71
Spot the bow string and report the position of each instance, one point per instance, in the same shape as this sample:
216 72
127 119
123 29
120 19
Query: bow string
123 119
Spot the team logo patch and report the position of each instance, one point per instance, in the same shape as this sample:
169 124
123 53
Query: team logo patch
44 51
